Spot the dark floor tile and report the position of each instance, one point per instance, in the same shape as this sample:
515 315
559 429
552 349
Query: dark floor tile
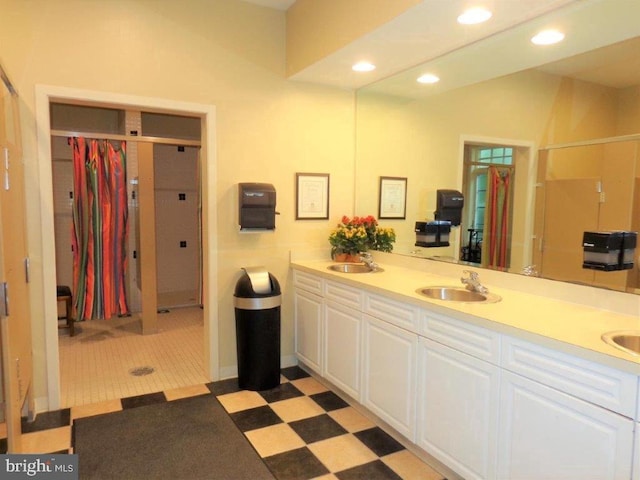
223 387
283 391
329 401
299 464
142 400
254 418
317 428
47 420
368 471
294 373
379 441
3 445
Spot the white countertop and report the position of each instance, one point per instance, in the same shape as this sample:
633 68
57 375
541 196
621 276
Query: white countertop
569 327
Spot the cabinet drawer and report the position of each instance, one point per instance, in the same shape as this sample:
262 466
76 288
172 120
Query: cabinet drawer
595 383
470 339
343 295
397 313
308 282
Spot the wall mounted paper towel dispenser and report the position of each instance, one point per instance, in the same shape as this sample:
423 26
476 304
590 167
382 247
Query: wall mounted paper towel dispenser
449 205
256 206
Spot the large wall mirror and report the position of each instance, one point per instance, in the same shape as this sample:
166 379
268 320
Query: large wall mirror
560 127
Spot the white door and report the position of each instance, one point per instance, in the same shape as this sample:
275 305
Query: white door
458 409
308 329
342 331
389 374
546 434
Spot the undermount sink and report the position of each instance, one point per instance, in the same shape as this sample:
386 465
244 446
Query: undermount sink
353 268
628 341
457 294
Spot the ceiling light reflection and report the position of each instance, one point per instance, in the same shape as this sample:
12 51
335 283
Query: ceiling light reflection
474 16
547 37
363 67
428 78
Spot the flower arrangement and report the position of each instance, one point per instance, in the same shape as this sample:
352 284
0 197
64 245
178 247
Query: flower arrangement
359 234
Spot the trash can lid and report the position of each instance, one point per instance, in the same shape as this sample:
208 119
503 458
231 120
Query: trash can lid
256 283
259 278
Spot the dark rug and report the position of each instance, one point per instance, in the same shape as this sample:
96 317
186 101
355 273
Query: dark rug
182 439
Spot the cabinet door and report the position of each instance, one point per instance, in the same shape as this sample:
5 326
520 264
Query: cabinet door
458 409
389 374
636 457
548 434
308 329
342 327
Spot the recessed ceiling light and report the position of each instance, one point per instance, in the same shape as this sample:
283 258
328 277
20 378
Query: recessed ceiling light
428 78
363 67
474 16
547 37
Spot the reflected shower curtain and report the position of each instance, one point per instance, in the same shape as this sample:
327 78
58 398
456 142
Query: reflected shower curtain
496 222
100 228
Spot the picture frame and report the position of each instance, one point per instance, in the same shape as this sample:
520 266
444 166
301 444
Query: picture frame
393 198
312 196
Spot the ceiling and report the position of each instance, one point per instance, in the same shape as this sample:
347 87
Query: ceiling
428 38
277 4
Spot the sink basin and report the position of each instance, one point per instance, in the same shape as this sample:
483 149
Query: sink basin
457 294
352 268
628 341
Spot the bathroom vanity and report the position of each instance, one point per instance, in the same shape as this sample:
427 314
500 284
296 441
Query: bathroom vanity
523 388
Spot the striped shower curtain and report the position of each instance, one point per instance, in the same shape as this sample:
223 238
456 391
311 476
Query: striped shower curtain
100 228
495 243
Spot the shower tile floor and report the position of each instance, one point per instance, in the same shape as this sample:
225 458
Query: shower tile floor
111 359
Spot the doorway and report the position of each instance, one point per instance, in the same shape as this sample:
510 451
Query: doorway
45 95
476 154
178 252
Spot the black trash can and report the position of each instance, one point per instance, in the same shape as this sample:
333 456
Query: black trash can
257 300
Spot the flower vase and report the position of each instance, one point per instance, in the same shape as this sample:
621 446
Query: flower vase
346 257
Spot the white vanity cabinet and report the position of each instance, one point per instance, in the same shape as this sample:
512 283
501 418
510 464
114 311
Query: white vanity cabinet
309 312
486 405
458 399
389 374
548 434
343 337
563 417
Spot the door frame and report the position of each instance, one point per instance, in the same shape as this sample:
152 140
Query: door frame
524 196
46 94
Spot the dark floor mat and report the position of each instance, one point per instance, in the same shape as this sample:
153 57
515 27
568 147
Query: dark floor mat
183 439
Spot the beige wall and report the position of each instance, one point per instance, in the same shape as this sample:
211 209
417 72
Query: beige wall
317 28
218 52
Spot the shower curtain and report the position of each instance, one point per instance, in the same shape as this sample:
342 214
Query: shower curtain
100 228
496 222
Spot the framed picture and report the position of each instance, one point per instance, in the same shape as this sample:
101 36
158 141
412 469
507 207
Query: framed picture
393 197
312 196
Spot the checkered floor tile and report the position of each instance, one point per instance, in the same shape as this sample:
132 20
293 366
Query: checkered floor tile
300 429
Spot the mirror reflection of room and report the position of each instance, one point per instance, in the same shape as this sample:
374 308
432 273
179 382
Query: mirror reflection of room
436 142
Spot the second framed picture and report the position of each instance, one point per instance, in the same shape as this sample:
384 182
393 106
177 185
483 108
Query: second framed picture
393 197
312 196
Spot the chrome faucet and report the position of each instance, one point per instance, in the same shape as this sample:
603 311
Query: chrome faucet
367 259
472 282
530 271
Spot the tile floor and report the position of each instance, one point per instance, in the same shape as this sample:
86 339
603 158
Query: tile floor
100 362
301 430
